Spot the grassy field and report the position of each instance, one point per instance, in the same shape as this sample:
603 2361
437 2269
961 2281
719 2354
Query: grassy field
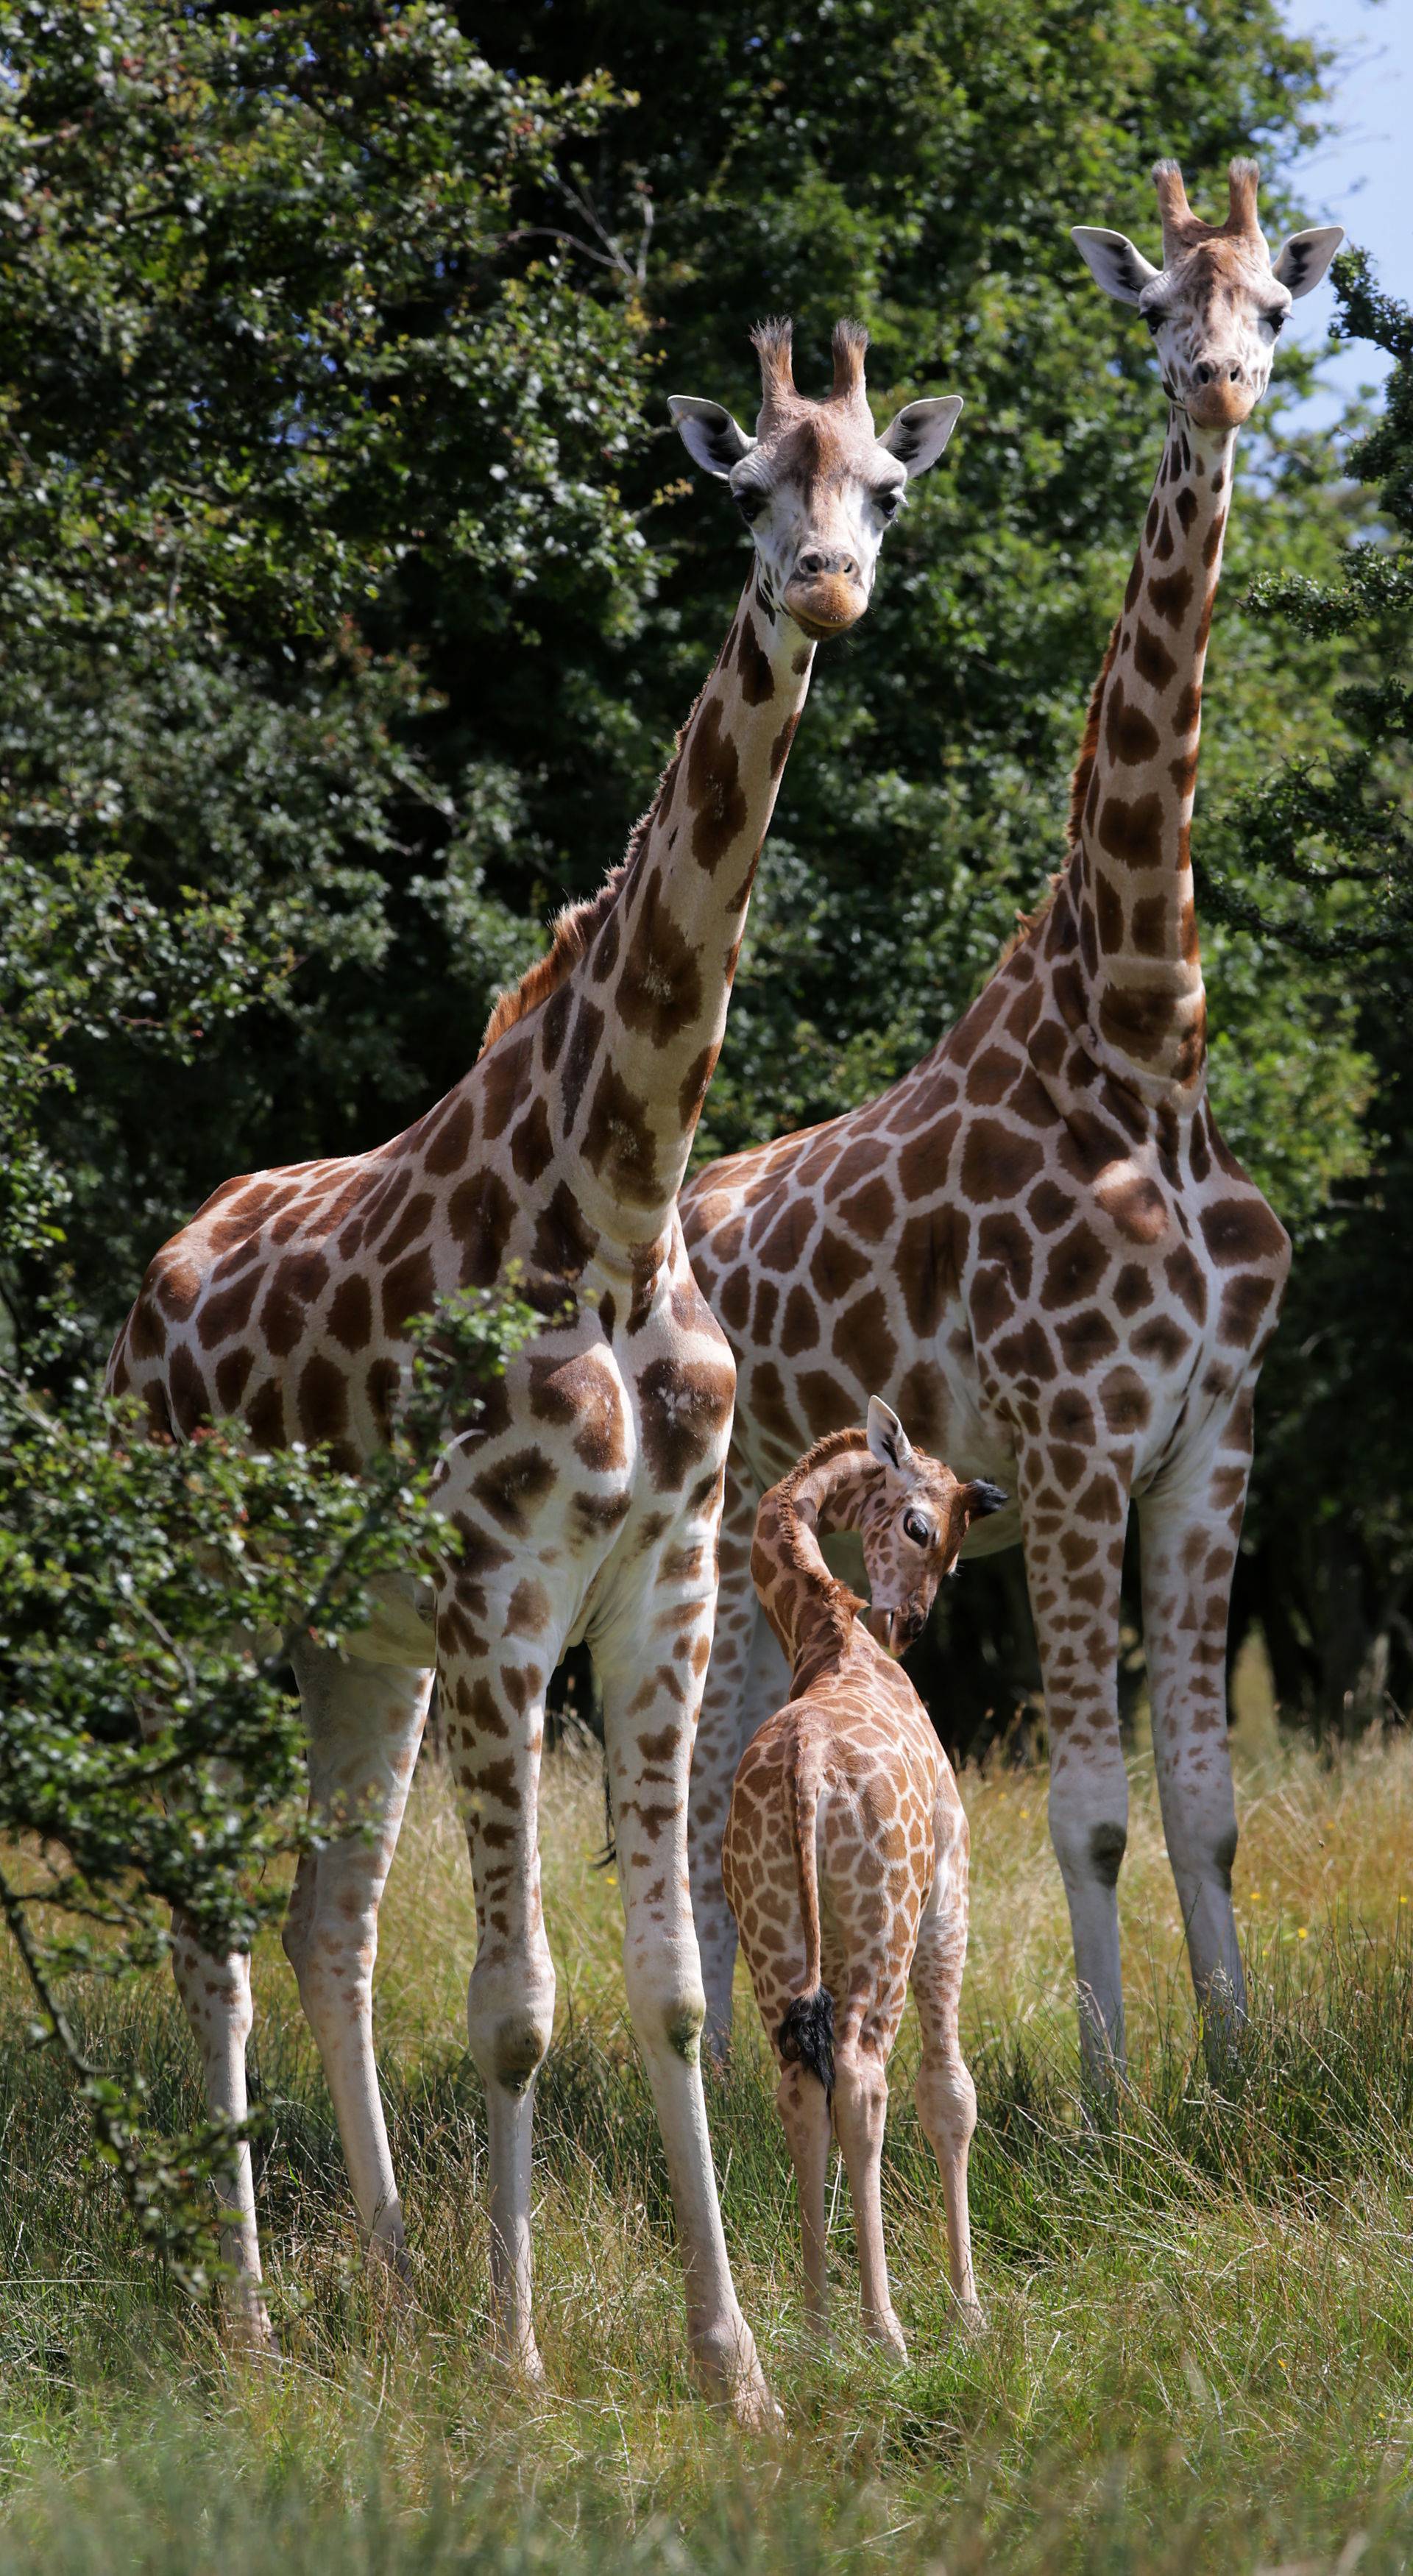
1200 2342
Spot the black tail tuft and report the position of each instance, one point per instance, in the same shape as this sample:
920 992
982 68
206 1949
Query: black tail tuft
608 1857
806 2036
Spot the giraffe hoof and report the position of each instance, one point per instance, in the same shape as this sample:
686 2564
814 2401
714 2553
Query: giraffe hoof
389 2266
249 2333
752 2405
728 2369
521 2361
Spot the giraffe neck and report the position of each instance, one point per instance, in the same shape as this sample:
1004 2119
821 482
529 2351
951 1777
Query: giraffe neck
1131 875
811 1611
633 1037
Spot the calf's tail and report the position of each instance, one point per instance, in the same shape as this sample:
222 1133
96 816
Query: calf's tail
806 2034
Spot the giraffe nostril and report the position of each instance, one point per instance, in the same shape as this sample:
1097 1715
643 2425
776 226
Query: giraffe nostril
1203 372
813 561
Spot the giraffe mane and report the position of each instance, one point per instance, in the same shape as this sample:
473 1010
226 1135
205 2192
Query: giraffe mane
576 925
574 930
1027 923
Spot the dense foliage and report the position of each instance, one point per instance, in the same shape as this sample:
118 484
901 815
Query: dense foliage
267 388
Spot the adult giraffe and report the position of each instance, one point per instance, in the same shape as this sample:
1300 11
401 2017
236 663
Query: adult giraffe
1036 1244
585 1504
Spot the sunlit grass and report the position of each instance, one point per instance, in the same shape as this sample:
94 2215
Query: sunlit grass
1200 2341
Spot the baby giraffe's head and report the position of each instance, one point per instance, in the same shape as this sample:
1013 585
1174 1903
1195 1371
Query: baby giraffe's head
912 1528
817 485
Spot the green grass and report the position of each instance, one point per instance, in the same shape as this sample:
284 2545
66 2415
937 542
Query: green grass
1200 2341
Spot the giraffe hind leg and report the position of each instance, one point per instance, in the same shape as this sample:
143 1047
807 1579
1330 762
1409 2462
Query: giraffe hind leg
1189 1538
946 2095
804 2107
860 2116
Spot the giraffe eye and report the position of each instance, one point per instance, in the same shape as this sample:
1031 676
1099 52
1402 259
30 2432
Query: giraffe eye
917 1529
1155 322
750 504
1277 321
887 502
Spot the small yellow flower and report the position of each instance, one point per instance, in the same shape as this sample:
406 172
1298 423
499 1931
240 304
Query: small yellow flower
1303 1933
1025 1811
1403 1900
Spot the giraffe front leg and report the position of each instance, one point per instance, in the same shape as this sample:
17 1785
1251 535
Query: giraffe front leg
1189 1530
717 1750
365 1723
1074 1511
495 1734
651 1686
216 1994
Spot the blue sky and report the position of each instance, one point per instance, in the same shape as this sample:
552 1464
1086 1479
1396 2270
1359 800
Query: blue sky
1362 177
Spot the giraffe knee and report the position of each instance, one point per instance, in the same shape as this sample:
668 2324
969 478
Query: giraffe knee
518 2050
946 2101
1107 1845
510 2020
1204 1853
666 2000
1090 1849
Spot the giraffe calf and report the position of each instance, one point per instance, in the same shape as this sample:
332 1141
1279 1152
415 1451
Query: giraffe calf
845 1860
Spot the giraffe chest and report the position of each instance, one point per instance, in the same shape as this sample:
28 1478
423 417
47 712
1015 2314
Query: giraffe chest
604 1456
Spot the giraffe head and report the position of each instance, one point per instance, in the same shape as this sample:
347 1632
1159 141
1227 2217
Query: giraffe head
1217 304
912 1527
816 485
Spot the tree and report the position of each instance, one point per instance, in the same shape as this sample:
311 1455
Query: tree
269 340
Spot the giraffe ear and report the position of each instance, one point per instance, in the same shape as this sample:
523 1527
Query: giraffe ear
711 437
921 431
1113 263
981 1498
1301 262
887 1439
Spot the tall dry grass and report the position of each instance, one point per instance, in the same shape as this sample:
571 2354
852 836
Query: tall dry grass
1200 2347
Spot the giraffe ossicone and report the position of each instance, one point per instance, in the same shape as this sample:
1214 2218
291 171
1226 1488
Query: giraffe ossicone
585 1502
845 1856
1037 1242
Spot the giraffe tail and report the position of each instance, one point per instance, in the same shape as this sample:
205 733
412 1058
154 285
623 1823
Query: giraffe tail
806 2034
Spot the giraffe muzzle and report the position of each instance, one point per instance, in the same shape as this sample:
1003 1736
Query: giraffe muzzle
825 596
1220 395
894 1630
